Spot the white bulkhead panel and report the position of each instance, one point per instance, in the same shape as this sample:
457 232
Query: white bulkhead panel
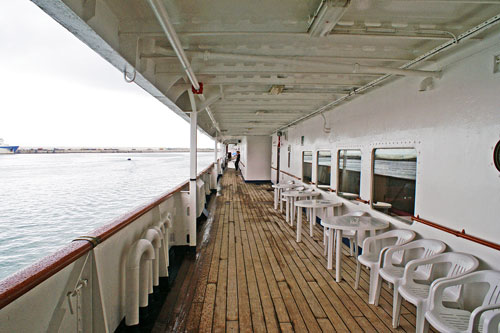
454 127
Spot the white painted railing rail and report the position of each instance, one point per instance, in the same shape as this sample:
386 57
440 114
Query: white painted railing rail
92 283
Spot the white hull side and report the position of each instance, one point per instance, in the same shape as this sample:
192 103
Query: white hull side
4 150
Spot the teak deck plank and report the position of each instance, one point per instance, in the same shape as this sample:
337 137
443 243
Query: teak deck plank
252 276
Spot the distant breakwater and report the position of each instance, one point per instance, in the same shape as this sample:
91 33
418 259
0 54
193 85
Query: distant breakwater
54 150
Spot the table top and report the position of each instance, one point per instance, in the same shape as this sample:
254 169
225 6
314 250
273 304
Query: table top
284 185
348 195
359 223
381 204
315 203
300 194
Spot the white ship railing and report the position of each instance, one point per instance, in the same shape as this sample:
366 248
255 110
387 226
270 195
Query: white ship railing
83 286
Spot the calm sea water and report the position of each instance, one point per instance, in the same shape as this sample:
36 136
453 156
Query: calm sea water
46 200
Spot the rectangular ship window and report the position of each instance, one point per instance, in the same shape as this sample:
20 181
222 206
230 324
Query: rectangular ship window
349 174
289 155
324 168
394 179
307 157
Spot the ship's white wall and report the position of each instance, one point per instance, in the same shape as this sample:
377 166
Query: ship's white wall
256 157
454 128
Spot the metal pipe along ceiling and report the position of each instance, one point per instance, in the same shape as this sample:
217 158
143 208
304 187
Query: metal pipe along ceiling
162 17
349 68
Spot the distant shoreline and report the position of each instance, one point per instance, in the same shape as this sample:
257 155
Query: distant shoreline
83 150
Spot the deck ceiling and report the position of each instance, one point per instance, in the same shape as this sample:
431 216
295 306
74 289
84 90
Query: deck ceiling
385 33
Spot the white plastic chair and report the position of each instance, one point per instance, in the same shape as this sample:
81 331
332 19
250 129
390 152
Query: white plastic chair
393 273
479 313
373 253
444 266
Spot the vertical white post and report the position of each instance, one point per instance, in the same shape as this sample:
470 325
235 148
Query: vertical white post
215 157
193 171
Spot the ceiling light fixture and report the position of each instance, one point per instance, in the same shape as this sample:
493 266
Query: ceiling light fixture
276 89
327 16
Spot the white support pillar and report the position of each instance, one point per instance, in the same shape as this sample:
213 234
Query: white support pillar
193 149
217 166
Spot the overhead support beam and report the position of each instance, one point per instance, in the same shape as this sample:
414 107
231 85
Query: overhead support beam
352 68
209 101
162 16
327 16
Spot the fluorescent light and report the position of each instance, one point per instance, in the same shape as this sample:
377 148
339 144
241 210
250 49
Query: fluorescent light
276 89
327 16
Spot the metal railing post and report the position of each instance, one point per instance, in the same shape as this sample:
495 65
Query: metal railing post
193 171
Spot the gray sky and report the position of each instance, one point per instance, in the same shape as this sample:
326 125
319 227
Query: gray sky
56 91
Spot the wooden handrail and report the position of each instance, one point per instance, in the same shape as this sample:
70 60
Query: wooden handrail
363 201
289 174
23 281
457 233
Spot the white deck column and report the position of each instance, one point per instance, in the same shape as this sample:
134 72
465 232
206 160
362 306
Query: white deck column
216 153
193 150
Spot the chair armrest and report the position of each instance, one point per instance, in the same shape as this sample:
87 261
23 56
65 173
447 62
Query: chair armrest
412 265
367 242
382 255
475 316
438 287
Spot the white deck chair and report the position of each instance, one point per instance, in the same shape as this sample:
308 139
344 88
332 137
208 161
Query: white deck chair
393 273
444 266
373 253
479 313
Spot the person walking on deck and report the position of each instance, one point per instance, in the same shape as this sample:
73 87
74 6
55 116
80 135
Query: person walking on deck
237 162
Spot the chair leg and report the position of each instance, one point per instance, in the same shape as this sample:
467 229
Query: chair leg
375 286
351 246
396 307
421 325
325 243
355 241
358 274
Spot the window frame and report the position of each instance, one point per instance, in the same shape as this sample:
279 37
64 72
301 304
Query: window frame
302 166
318 185
339 192
372 183
289 151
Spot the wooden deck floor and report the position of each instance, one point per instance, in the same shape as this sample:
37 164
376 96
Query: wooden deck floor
250 275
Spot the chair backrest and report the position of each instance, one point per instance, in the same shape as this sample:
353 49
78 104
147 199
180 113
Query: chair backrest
299 188
454 264
357 213
403 236
419 249
391 238
493 294
428 248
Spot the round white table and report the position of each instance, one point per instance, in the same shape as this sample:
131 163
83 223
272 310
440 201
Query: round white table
290 197
277 193
313 205
340 223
